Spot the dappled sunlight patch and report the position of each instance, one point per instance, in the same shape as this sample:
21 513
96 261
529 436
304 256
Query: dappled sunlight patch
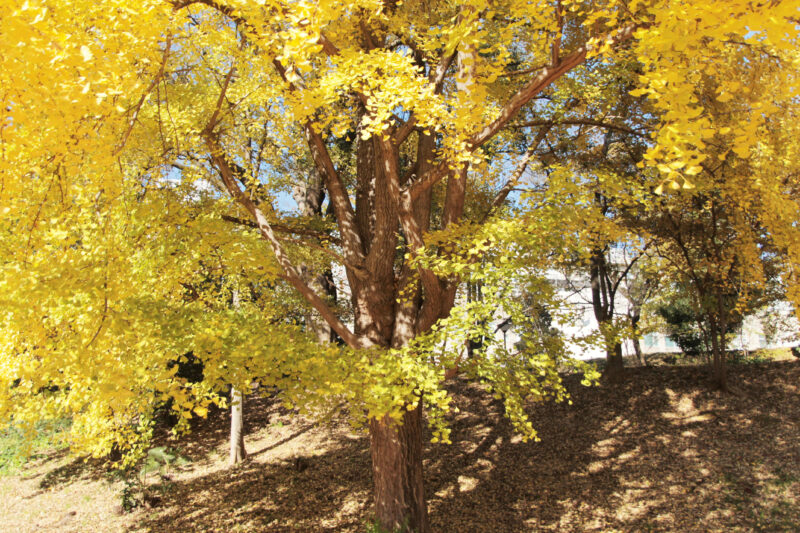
468 446
446 492
635 506
483 466
628 456
588 517
689 453
353 508
619 424
467 483
605 448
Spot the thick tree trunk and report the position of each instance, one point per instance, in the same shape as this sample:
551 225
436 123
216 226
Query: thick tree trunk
238 453
397 473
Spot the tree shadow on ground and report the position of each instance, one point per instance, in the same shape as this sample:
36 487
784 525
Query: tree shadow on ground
658 452
75 470
326 491
207 434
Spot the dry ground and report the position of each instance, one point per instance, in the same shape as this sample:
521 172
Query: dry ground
656 453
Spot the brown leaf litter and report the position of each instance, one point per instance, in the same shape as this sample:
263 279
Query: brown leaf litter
659 452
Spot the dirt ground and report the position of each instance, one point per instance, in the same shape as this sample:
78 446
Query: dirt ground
659 452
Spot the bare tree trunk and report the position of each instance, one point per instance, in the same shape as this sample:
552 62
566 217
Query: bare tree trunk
603 305
637 346
614 365
637 350
238 453
397 473
719 370
708 344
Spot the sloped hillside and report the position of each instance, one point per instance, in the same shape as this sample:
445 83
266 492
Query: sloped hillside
657 453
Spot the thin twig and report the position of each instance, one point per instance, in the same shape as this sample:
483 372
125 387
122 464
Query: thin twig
140 103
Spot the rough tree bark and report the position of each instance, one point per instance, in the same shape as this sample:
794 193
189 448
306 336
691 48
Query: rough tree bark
397 473
717 326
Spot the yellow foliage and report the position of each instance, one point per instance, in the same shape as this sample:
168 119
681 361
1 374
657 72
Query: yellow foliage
115 256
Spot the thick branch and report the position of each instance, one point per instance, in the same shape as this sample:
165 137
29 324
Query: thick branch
535 86
360 272
327 46
547 76
343 209
427 180
293 275
556 47
578 122
352 245
437 76
214 120
284 229
411 229
456 191
518 172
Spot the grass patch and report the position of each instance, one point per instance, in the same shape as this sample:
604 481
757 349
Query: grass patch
758 356
734 357
18 446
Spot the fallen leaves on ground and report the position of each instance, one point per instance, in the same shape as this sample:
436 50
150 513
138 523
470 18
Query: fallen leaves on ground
657 452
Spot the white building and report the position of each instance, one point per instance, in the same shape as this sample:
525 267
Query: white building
775 327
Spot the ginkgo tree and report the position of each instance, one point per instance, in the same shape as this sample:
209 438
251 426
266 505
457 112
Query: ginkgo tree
715 232
400 107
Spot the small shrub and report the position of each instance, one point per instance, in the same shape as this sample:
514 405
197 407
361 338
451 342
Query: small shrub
748 358
137 491
682 327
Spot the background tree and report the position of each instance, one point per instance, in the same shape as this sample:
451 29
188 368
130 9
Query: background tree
640 286
721 265
711 230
